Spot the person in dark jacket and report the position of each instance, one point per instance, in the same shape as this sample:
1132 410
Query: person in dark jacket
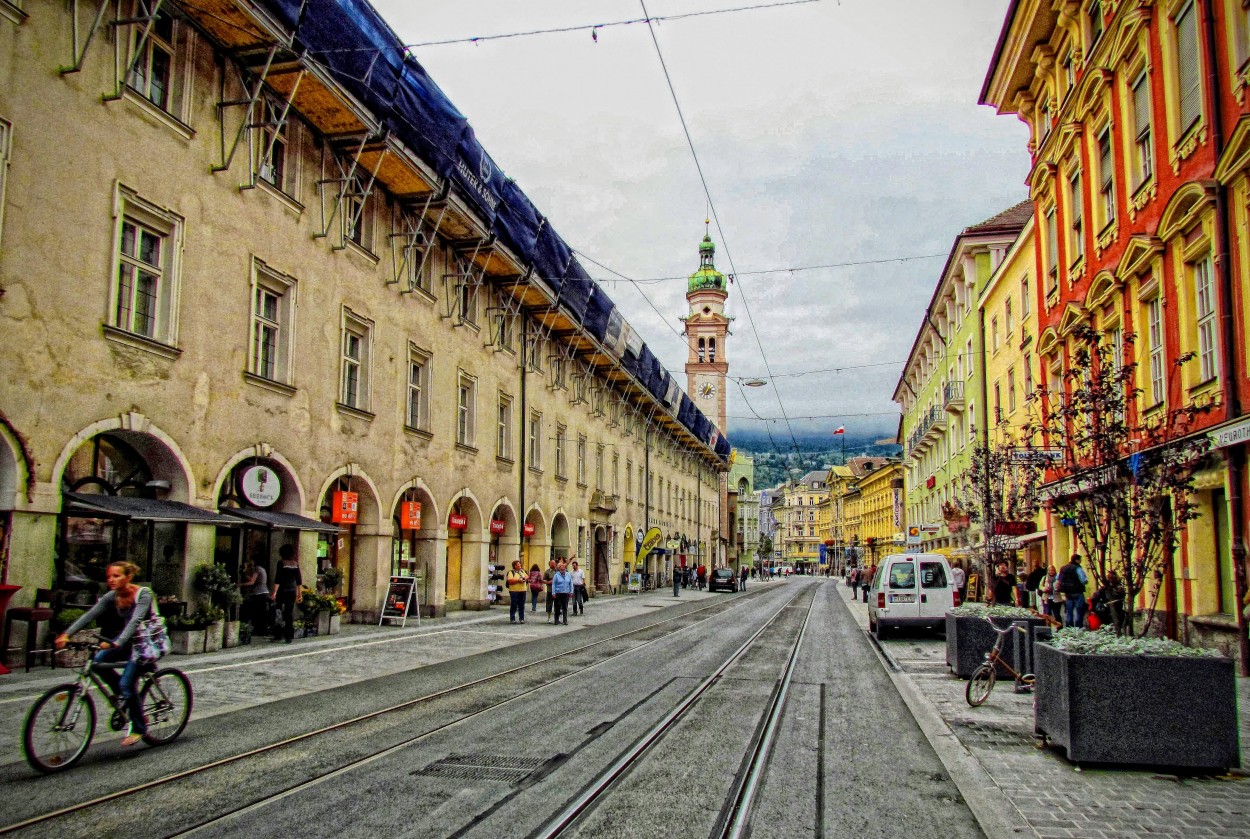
1004 586
1071 583
288 589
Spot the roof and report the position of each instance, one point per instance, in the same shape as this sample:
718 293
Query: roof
1013 219
1003 33
814 477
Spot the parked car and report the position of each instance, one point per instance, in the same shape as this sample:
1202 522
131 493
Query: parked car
911 590
722 578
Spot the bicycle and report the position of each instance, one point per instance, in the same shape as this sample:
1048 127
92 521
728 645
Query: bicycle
60 725
984 677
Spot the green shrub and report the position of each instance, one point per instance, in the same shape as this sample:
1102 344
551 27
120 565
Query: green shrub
1106 642
213 581
986 610
62 620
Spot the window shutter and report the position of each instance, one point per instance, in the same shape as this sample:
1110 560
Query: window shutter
1141 104
1188 71
1105 172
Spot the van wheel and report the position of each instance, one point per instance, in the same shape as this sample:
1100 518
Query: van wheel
881 630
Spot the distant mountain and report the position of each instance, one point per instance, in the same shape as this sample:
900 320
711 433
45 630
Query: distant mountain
815 452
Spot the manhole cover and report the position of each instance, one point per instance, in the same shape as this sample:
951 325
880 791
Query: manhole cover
478 767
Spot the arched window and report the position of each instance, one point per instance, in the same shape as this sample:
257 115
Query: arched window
711 349
702 349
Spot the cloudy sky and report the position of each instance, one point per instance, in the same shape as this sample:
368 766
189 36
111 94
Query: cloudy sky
829 133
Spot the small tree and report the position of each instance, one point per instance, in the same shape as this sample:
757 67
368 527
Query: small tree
1000 484
1124 480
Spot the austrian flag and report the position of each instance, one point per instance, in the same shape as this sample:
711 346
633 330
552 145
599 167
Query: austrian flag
841 429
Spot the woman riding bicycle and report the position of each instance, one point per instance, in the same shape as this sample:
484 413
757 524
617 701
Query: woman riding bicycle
117 614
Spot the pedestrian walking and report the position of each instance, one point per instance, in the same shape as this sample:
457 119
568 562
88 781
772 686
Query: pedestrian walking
288 589
677 581
960 581
580 595
1004 586
535 582
547 575
865 579
1050 594
561 589
743 576
1072 582
517 582
254 586
1032 584
701 576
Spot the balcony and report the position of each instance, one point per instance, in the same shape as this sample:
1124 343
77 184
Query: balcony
953 397
931 426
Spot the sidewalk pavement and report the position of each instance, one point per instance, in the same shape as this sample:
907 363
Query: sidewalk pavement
263 671
1018 788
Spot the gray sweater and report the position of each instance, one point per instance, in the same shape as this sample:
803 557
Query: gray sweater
113 621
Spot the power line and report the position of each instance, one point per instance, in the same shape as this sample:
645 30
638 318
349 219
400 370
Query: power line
819 416
799 268
594 27
712 206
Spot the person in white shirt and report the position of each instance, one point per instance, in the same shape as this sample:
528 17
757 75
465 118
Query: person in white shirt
960 580
580 596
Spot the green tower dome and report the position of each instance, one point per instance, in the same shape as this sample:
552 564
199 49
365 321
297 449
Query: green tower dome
707 276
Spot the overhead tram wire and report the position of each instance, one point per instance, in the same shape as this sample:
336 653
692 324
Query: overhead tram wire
712 204
798 268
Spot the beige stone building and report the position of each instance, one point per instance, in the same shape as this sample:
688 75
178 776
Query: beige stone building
798 529
245 305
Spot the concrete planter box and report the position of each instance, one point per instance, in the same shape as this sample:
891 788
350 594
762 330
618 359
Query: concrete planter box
230 634
328 624
212 638
969 638
1141 710
186 641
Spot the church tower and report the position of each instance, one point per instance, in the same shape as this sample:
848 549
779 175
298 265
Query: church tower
707 363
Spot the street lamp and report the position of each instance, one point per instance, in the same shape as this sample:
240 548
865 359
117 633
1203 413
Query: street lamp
754 382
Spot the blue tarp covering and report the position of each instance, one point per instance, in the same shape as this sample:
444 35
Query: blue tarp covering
367 58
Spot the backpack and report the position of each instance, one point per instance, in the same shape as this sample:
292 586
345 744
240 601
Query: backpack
1069 581
535 581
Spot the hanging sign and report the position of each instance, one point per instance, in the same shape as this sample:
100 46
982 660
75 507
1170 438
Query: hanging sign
260 486
1014 528
401 599
497 527
457 521
410 515
345 507
649 542
527 529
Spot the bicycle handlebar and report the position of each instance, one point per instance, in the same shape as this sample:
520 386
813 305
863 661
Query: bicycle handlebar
1006 629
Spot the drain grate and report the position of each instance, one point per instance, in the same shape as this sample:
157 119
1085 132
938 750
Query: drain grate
479 767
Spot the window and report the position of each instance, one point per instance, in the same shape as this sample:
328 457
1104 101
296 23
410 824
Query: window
536 440
1204 308
503 428
1043 119
616 474
1011 390
144 294
272 143
1143 151
994 333
1095 23
1076 244
466 292
151 71
418 413
599 467
355 210
971 363
1028 378
1052 252
466 392
561 433
629 480
1025 305
6 144
1008 322
354 386
998 403
1106 176
273 308
1188 69
581 459
1154 326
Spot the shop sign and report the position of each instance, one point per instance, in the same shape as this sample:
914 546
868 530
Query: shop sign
930 482
1014 528
260 486
649 542
410 515
345 509
527 529
497 527
913 535
898 507
1232 435
457 521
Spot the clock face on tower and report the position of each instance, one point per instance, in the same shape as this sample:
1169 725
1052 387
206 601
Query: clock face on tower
707 390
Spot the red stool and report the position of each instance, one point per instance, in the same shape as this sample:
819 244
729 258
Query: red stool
32 615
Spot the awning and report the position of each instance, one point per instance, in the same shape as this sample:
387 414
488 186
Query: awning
279 521
143 509
1036 536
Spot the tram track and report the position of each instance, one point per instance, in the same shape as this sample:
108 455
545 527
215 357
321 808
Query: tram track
407 705
733 821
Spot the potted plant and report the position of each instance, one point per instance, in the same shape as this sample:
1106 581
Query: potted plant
1141 701
187 633
329 618
222 593
331 578
969 637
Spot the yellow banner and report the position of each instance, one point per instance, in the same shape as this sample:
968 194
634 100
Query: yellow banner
649 542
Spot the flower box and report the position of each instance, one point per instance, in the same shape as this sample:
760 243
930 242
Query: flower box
230 634
969 638
1144 710
186 641
212 637
327 623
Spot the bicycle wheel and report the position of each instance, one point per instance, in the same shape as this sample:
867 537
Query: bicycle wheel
980 685
166 702
58 728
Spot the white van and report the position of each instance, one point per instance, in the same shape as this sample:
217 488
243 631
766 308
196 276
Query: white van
911 590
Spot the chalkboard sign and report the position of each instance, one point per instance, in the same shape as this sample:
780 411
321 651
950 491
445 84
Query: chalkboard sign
401 599
974 589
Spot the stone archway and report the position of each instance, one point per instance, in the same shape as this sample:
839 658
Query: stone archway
355 549
629 554
415 552
464 557
560 536
504 536
536 546
601 549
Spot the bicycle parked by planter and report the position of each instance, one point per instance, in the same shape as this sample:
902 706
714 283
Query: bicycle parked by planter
983 678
